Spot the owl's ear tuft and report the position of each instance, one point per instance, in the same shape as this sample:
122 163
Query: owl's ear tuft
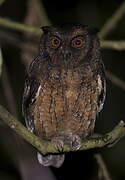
46 29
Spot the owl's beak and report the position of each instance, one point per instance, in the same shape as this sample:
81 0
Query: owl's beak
66 55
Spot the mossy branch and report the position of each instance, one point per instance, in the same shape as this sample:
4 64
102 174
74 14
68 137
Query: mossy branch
46 147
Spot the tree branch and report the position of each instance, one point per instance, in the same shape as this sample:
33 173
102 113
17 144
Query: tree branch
115 80
116 45
112 21
1 61
19 26
46 147
102 170
42 13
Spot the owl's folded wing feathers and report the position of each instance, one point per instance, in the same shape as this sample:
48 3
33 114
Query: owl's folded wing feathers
101 87
30 91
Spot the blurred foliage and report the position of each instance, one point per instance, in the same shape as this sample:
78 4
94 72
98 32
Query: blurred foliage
95 13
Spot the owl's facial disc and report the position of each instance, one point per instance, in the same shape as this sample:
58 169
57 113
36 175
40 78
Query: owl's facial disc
67 46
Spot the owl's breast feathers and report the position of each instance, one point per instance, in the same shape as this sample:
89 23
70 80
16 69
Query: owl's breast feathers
66 101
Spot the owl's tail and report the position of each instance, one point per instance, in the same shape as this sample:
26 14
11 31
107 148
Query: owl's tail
51 160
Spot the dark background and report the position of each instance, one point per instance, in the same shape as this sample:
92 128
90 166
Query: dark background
18 159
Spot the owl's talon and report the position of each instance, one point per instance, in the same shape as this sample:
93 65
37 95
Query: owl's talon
74 141
58 143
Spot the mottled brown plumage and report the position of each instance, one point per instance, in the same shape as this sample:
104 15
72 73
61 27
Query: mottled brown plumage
65 87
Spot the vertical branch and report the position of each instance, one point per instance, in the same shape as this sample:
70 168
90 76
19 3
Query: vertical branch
1 65
37 16
7 87
42 13
103 173
1 62
112 21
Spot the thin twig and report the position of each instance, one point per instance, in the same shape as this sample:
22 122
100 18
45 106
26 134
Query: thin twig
102 171
112 21
46 147
115 80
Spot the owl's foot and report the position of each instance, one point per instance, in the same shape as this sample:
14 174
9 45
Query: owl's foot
58 142
51 160
74 141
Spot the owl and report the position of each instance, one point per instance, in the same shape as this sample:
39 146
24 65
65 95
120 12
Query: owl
64 88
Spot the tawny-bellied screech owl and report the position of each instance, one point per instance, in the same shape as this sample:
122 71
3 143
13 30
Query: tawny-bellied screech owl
64 87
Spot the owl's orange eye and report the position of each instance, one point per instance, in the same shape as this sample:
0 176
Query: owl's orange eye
55 42
78 42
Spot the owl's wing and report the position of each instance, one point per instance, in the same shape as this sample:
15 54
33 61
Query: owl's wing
31 87
101 87
30 90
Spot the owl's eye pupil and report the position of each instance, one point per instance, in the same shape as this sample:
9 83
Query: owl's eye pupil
55 42
78 42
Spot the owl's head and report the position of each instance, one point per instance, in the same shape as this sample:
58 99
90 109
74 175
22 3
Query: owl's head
69 44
